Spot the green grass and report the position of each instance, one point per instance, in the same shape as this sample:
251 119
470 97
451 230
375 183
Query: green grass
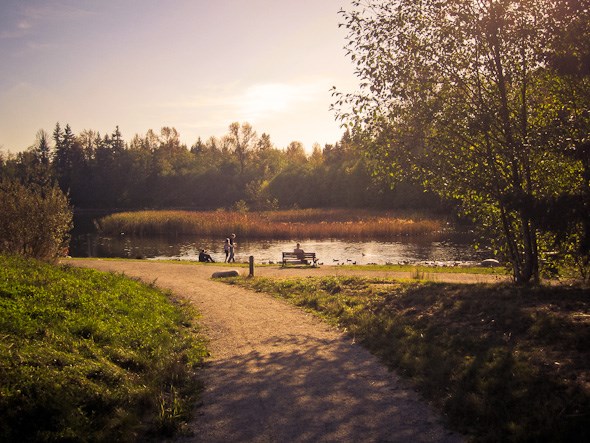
424 269
91 356
502 363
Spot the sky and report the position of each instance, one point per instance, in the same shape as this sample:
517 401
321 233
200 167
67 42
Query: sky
195 65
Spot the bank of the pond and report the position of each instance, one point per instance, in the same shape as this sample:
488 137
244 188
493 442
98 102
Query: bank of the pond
91 356
504 363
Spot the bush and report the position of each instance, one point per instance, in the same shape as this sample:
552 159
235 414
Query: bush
36 220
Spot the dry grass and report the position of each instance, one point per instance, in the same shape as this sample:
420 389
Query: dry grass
308 223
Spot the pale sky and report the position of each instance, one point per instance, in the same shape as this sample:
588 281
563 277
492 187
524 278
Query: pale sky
196 65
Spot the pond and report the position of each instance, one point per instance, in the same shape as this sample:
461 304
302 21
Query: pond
442 249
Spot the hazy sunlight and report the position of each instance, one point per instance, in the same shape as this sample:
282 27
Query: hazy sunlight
262 100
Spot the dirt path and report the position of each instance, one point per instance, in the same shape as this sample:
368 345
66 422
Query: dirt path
277 374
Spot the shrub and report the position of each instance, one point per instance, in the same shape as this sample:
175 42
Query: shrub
36 220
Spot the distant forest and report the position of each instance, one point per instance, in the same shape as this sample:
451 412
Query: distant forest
240 170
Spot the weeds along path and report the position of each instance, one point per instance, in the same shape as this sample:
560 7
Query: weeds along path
277 374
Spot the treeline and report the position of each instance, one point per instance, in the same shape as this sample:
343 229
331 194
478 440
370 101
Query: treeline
240 170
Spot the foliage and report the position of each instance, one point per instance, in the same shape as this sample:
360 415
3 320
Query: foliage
157 171
461 95
89 356
503 363
294 224
36 220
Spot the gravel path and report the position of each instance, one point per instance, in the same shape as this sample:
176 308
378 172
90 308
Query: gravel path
277 374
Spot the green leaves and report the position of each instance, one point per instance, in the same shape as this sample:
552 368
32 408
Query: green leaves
459 95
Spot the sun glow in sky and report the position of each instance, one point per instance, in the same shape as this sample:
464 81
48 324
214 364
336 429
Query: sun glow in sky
260 101
196 65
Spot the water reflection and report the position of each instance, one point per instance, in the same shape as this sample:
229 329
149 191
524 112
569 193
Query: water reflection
450 250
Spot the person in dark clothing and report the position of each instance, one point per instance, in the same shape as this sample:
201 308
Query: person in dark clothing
226 248
205 258
299 252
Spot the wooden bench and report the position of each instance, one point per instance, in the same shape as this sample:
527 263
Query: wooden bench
297 258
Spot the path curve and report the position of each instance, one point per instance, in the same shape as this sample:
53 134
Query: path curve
278 374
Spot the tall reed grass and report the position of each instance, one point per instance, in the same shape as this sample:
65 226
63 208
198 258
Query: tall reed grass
307 223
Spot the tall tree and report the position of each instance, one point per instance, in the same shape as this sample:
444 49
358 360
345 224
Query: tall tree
42 148
296 153
267 160
69 162
564 98
446 92
35 164
242 139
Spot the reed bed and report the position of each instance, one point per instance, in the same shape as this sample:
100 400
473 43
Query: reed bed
295 224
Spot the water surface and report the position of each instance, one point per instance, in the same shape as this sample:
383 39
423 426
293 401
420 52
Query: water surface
444 249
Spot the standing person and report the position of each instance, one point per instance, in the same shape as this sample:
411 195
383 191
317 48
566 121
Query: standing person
232 248
226 248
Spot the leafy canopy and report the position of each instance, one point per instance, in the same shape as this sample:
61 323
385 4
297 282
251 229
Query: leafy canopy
461 95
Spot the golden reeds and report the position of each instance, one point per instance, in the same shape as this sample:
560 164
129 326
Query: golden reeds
295 224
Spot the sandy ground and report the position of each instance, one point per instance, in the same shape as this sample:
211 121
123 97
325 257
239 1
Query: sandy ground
278 374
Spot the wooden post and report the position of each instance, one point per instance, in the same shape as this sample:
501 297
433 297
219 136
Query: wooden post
251 266
89 244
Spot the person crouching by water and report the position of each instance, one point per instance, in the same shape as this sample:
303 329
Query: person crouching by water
205 258
226 248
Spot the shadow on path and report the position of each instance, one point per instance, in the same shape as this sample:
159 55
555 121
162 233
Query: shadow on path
312 390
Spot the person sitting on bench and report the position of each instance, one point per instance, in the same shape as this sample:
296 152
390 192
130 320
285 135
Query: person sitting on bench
205 258
299 252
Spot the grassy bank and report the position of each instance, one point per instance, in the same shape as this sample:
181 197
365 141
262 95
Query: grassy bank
419 271
503 363
90 356
295 224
